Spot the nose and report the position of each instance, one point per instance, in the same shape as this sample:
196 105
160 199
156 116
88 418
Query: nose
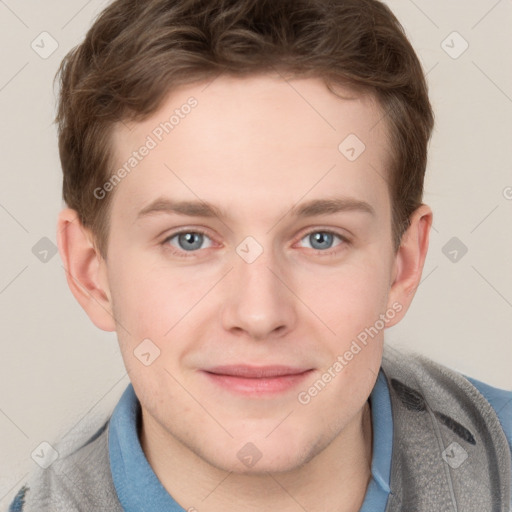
258 301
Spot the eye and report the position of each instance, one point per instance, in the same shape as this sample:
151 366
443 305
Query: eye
322 240
191 241
188 241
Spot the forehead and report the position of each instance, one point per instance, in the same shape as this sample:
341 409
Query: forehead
258 137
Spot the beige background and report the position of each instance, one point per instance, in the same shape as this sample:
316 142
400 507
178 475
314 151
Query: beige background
55 366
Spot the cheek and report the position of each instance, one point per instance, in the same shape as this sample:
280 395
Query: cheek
351 304
349 298
150 299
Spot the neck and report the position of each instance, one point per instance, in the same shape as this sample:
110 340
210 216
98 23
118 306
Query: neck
335 480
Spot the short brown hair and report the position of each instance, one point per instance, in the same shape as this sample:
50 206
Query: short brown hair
137 51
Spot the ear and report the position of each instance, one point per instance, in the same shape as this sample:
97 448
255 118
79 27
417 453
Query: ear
85 268
409 261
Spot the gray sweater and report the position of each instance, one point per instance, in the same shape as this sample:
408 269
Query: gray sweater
431 406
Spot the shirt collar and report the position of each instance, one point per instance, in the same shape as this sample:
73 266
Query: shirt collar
137 486
382 425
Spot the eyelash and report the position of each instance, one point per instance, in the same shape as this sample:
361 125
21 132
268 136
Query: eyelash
183 254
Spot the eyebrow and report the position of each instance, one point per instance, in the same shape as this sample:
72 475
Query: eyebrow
310 208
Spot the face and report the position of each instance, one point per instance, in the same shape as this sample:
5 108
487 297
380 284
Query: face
250 246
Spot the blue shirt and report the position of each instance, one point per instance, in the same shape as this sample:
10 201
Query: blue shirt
139 489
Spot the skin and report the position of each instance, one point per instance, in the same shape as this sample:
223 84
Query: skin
255 148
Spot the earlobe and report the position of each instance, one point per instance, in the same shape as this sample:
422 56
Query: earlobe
85 269
409 260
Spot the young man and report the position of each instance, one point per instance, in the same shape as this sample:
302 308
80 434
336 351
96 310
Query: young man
244 182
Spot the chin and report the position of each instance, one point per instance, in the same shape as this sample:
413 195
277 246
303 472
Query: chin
263 456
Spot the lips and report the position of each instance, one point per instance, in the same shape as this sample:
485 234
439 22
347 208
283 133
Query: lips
256 372
257 380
